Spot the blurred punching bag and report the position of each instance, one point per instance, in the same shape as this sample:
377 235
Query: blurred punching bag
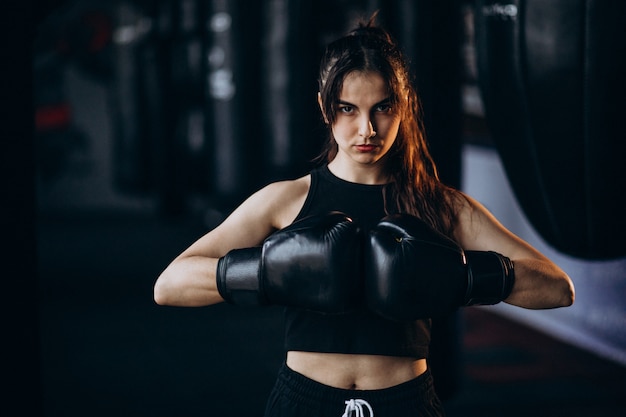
553 81
223 101
159 102
289 88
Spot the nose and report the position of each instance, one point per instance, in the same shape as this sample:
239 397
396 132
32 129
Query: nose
366 128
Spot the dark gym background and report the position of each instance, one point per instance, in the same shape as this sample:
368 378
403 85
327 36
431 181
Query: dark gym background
130 128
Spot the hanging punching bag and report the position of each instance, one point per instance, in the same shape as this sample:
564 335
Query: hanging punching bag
552 77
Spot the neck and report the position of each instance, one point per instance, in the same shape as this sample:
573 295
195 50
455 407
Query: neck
358 173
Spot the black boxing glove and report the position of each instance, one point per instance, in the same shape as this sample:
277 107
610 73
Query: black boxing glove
314 263
412 271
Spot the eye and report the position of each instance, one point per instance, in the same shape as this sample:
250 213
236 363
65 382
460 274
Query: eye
383 108
346 109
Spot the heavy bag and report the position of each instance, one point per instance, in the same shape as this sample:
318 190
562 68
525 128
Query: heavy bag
552 76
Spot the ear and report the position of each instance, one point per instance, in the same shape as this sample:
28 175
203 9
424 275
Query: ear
319 101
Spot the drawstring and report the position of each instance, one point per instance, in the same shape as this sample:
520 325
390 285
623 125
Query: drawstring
357 406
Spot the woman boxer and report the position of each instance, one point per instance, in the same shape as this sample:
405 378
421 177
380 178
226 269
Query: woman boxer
363 250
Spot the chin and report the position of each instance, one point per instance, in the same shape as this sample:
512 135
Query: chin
367 160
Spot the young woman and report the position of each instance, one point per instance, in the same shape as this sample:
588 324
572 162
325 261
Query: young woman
363 250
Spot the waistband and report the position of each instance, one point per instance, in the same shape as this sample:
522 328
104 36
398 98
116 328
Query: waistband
306 390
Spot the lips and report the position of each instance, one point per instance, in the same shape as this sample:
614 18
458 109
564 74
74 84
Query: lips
365 148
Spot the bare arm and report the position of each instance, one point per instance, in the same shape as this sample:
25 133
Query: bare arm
539 283
189 280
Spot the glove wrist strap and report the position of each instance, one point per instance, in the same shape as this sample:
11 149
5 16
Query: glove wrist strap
238 277
490 278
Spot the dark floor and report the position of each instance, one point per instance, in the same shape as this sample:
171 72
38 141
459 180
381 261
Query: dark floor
108 350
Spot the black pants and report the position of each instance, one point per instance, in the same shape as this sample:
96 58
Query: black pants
296 395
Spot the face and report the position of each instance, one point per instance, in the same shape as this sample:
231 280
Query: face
366 124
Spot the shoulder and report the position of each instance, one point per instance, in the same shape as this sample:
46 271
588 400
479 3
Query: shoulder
270 208
295 186
475 224
478 229
280 201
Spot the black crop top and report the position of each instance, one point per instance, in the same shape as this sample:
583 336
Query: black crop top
360 332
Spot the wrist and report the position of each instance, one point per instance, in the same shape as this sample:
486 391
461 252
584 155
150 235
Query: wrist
490 278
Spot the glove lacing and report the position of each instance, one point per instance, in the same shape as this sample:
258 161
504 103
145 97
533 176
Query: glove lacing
357 406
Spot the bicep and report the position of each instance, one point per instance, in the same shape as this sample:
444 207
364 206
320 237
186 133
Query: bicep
478 229
539 283
248 225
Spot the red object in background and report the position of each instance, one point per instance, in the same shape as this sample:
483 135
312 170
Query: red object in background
90 33
100 30
52 117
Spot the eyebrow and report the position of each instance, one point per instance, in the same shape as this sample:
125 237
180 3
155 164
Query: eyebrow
383 101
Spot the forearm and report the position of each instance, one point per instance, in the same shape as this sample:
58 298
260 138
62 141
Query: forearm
540 285
188 282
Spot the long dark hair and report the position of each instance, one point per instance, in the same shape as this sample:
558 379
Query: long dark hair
414 187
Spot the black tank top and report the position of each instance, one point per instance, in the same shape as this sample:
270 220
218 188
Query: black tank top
359 332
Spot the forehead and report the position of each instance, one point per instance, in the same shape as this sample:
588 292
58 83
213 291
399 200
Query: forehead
364 86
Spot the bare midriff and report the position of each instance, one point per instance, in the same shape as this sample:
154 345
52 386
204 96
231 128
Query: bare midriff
356 372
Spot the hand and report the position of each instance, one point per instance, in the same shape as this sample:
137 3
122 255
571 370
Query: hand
413 271
315 263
